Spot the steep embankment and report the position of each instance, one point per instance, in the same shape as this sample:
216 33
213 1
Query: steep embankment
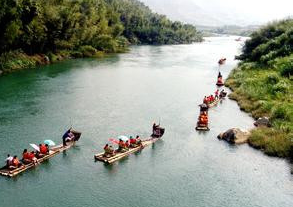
80 28
263 85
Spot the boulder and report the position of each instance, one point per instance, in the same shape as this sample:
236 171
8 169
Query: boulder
263 122
235 136
46 58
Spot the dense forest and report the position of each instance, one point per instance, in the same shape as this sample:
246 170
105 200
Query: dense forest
80 28
262 85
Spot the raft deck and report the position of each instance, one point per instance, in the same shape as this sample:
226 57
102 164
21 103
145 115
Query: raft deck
53 151
214 103
202 128
119 155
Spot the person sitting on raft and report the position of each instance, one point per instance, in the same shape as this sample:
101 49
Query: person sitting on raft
211 99
8 161
121 146
15 163
133 142
68 136
127 145
205 100
44 150
32 157
138 140
108 150
26 157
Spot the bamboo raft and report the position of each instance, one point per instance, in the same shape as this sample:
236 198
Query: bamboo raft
220 84
120 155
102 157
214 103
53 151
202 128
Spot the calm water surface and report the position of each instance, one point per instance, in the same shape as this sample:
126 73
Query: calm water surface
124 94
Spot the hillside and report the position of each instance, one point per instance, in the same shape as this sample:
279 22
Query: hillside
207 13
262 85
60 29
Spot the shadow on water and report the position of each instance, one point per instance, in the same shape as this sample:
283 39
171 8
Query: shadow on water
74 150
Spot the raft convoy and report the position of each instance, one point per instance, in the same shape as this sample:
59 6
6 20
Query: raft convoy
211 101
14 166
126 146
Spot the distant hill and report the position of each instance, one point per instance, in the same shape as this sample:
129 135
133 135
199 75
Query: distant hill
190 12
228 30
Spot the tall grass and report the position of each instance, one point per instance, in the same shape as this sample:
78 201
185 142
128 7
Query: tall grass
264 91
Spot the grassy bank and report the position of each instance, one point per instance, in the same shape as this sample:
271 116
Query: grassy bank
17 60
264 90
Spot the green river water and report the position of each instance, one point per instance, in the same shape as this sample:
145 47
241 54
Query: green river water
123 95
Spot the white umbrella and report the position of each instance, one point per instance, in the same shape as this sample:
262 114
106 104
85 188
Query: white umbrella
124 138
36 147
49 142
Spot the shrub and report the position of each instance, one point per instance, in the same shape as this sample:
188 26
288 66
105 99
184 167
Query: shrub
15 60
76 54
285 66
281 87
272 79
280 112
287 70
105 43
87 50
52 57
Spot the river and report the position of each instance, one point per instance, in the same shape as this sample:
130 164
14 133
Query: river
123 95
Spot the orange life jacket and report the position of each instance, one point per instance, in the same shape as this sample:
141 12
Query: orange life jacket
15 162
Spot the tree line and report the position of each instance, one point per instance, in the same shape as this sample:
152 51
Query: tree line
85 26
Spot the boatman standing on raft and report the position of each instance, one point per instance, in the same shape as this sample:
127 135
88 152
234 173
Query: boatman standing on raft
155 127
68 136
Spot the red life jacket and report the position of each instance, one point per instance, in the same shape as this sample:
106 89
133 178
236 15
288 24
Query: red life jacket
121 144
26 156
43 149
31 156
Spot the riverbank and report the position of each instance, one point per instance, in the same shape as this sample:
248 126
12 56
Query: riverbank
18 60
264 92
